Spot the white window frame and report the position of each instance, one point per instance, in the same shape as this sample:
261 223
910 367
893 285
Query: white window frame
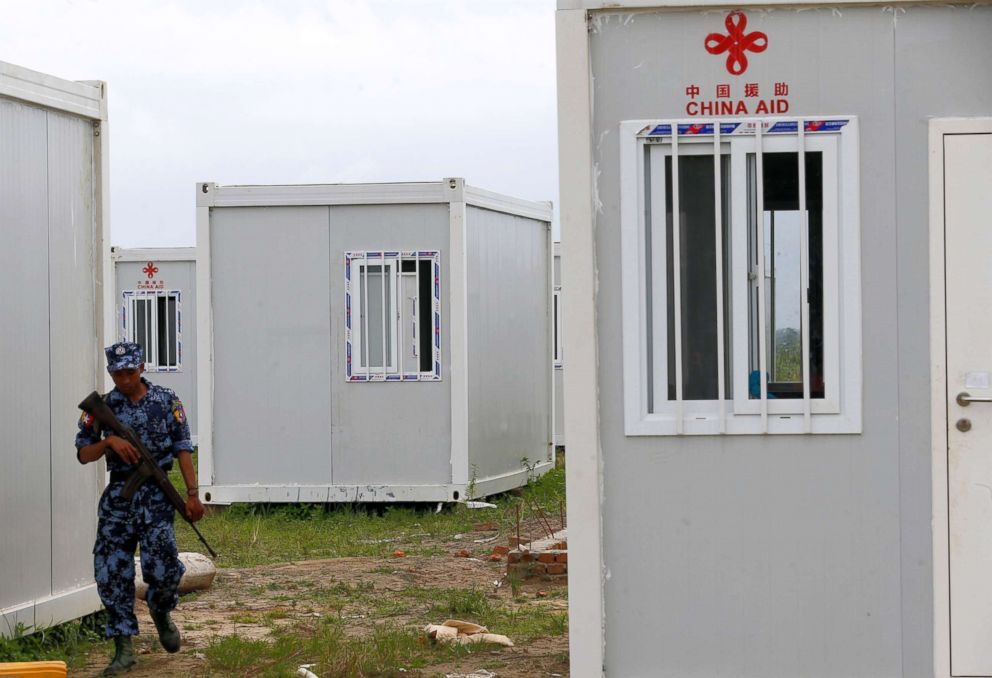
840 409
130 299
396 370
559 344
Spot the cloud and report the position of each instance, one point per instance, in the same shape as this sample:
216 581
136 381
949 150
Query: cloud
259 92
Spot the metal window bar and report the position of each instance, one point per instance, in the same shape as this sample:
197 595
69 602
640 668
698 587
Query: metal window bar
760 231
718 233
416 308
170 330
151 336
398 303
804 276
148 327
365 319
677 273
382 310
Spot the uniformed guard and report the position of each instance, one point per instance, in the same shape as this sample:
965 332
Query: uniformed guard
158 419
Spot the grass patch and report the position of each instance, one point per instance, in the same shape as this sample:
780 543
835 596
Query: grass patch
248 535
330 650
252 535
69 642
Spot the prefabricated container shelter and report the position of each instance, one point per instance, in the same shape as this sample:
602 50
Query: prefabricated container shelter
53 224
372 342
558 353
775 231
156 308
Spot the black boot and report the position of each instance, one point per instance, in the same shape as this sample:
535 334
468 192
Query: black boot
123 657
168 634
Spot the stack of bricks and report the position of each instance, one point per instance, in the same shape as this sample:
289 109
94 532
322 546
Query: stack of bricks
542 558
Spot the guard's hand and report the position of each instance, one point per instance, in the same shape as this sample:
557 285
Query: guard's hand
194 509
123 449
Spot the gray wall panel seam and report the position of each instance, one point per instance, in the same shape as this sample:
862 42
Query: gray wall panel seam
48 260
899 451
331 348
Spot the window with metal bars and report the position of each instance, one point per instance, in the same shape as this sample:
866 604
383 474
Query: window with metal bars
742 276
153 319
393 316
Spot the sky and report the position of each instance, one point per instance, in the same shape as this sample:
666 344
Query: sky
301 92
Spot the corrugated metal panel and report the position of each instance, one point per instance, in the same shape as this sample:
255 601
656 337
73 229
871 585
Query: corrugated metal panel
412 445
73 332
25 488
508 330
270 300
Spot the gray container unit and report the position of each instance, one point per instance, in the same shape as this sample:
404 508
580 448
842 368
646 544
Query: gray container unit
775 230
557 328
373 342
156 307
53 201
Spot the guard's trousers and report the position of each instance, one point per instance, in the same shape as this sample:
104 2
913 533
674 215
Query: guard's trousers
146 520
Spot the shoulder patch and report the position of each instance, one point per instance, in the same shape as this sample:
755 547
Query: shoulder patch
178 412
86 421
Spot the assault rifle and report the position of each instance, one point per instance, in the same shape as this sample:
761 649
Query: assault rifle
147 468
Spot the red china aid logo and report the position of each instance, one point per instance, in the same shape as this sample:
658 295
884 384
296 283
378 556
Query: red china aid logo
736 43
151 269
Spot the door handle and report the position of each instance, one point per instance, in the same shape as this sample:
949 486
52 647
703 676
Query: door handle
964 399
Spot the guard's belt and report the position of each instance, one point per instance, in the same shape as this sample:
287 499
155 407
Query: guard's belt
122 476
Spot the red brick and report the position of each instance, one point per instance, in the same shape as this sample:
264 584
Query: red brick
494 558
546 558
561 557
500 550
513 557
557 568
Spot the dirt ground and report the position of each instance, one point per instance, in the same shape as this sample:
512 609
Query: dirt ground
252 602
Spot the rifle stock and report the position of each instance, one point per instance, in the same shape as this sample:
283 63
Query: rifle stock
147 468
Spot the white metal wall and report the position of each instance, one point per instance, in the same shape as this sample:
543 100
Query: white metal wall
176 275
763 556
50 271
279 421
270 296
509 326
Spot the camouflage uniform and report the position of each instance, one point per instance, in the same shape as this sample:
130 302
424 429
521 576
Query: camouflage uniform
160 422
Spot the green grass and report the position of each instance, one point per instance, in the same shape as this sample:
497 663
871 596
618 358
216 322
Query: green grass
248 535
251 535
332 652
69 642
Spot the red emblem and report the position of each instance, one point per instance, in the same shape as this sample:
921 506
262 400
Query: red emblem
736 43
151 269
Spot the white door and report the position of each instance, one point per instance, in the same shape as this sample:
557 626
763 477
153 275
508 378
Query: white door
968 271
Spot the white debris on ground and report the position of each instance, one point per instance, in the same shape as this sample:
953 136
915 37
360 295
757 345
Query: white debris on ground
464 633
200 573
481 673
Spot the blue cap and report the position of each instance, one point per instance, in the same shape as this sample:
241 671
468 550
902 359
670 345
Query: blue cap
124 355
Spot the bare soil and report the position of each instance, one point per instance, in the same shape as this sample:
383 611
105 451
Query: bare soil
253 602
